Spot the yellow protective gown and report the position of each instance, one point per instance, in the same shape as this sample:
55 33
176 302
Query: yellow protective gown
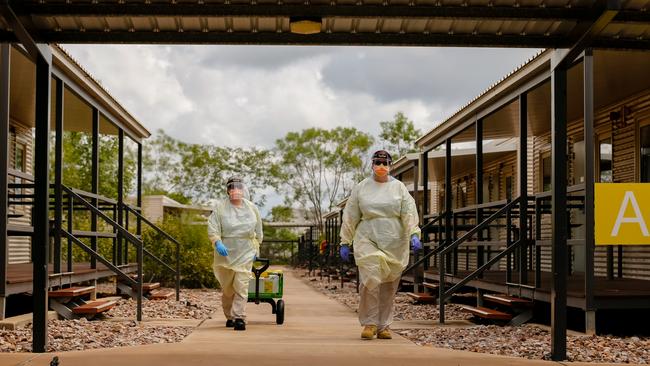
240 230
379 220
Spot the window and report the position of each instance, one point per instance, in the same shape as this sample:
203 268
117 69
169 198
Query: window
644 140
546 174
605 160
19 157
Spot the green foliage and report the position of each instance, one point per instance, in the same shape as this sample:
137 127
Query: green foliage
320 166
281 213
279 253
196 254
77 163
399 135
198 173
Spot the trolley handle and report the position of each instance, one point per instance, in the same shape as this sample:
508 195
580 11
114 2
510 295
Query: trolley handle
259 270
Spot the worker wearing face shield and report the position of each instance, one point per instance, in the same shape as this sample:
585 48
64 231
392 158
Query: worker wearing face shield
235 230
380 220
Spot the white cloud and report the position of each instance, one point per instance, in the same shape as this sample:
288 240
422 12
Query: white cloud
251 96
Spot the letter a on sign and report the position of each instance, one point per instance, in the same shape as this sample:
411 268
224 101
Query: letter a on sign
637 219
622 212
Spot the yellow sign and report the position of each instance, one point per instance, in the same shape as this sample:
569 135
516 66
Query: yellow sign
622 213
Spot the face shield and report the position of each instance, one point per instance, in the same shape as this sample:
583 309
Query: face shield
381 167
236 189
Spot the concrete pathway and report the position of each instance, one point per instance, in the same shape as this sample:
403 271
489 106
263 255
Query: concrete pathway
317 331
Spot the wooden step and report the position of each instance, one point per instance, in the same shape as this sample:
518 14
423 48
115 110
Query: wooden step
72 291
422 298
431 286
486 313
506 300
94 307
161 294
146 287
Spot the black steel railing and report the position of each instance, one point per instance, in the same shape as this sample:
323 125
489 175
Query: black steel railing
176 271
75 196
444 294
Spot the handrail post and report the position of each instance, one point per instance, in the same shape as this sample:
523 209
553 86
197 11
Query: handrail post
508 241
140 281
70 228
178 271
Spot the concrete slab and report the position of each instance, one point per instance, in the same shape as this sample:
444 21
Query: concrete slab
24 320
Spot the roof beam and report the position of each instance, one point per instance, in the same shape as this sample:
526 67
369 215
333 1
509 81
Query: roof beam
609 10
286 38
272 10
22 35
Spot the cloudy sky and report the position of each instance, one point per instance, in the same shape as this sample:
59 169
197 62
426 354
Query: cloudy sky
252 95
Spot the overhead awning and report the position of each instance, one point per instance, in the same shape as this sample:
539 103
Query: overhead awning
500 23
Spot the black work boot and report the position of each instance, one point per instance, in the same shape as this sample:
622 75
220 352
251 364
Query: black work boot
230 323
240 324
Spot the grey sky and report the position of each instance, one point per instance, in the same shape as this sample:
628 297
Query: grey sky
252 95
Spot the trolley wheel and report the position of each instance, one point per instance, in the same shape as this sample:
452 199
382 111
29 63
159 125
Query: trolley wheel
279 312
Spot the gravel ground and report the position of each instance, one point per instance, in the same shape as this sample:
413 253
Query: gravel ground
527 341
405 308
72 335
193 304
533 342
68 335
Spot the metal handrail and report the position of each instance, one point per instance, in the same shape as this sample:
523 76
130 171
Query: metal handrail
99 257
444 294
129 237
177 271
480 226
482 269
433 221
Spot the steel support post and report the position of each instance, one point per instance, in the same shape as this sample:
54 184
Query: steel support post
58 174
425 183
480 250
120 193
40 212
523 188
559 260
95 181
5 73
590 178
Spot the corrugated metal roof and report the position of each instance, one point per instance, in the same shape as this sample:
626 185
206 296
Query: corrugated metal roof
534 23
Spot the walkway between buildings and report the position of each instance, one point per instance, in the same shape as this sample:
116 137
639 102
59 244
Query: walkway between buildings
317 331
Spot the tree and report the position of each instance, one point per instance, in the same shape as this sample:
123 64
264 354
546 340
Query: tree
198 173
399 135
320 165
77 163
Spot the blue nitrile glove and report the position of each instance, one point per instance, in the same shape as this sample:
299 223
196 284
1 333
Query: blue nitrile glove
345 252
221 249
416 244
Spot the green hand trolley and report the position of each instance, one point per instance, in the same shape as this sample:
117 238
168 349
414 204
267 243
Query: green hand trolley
267 288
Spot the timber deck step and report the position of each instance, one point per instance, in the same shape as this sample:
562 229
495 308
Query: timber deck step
431 286
506 300
71 291
161 294
421 297
94 307
147 287
486 313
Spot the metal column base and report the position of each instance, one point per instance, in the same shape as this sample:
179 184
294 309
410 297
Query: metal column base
590 322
